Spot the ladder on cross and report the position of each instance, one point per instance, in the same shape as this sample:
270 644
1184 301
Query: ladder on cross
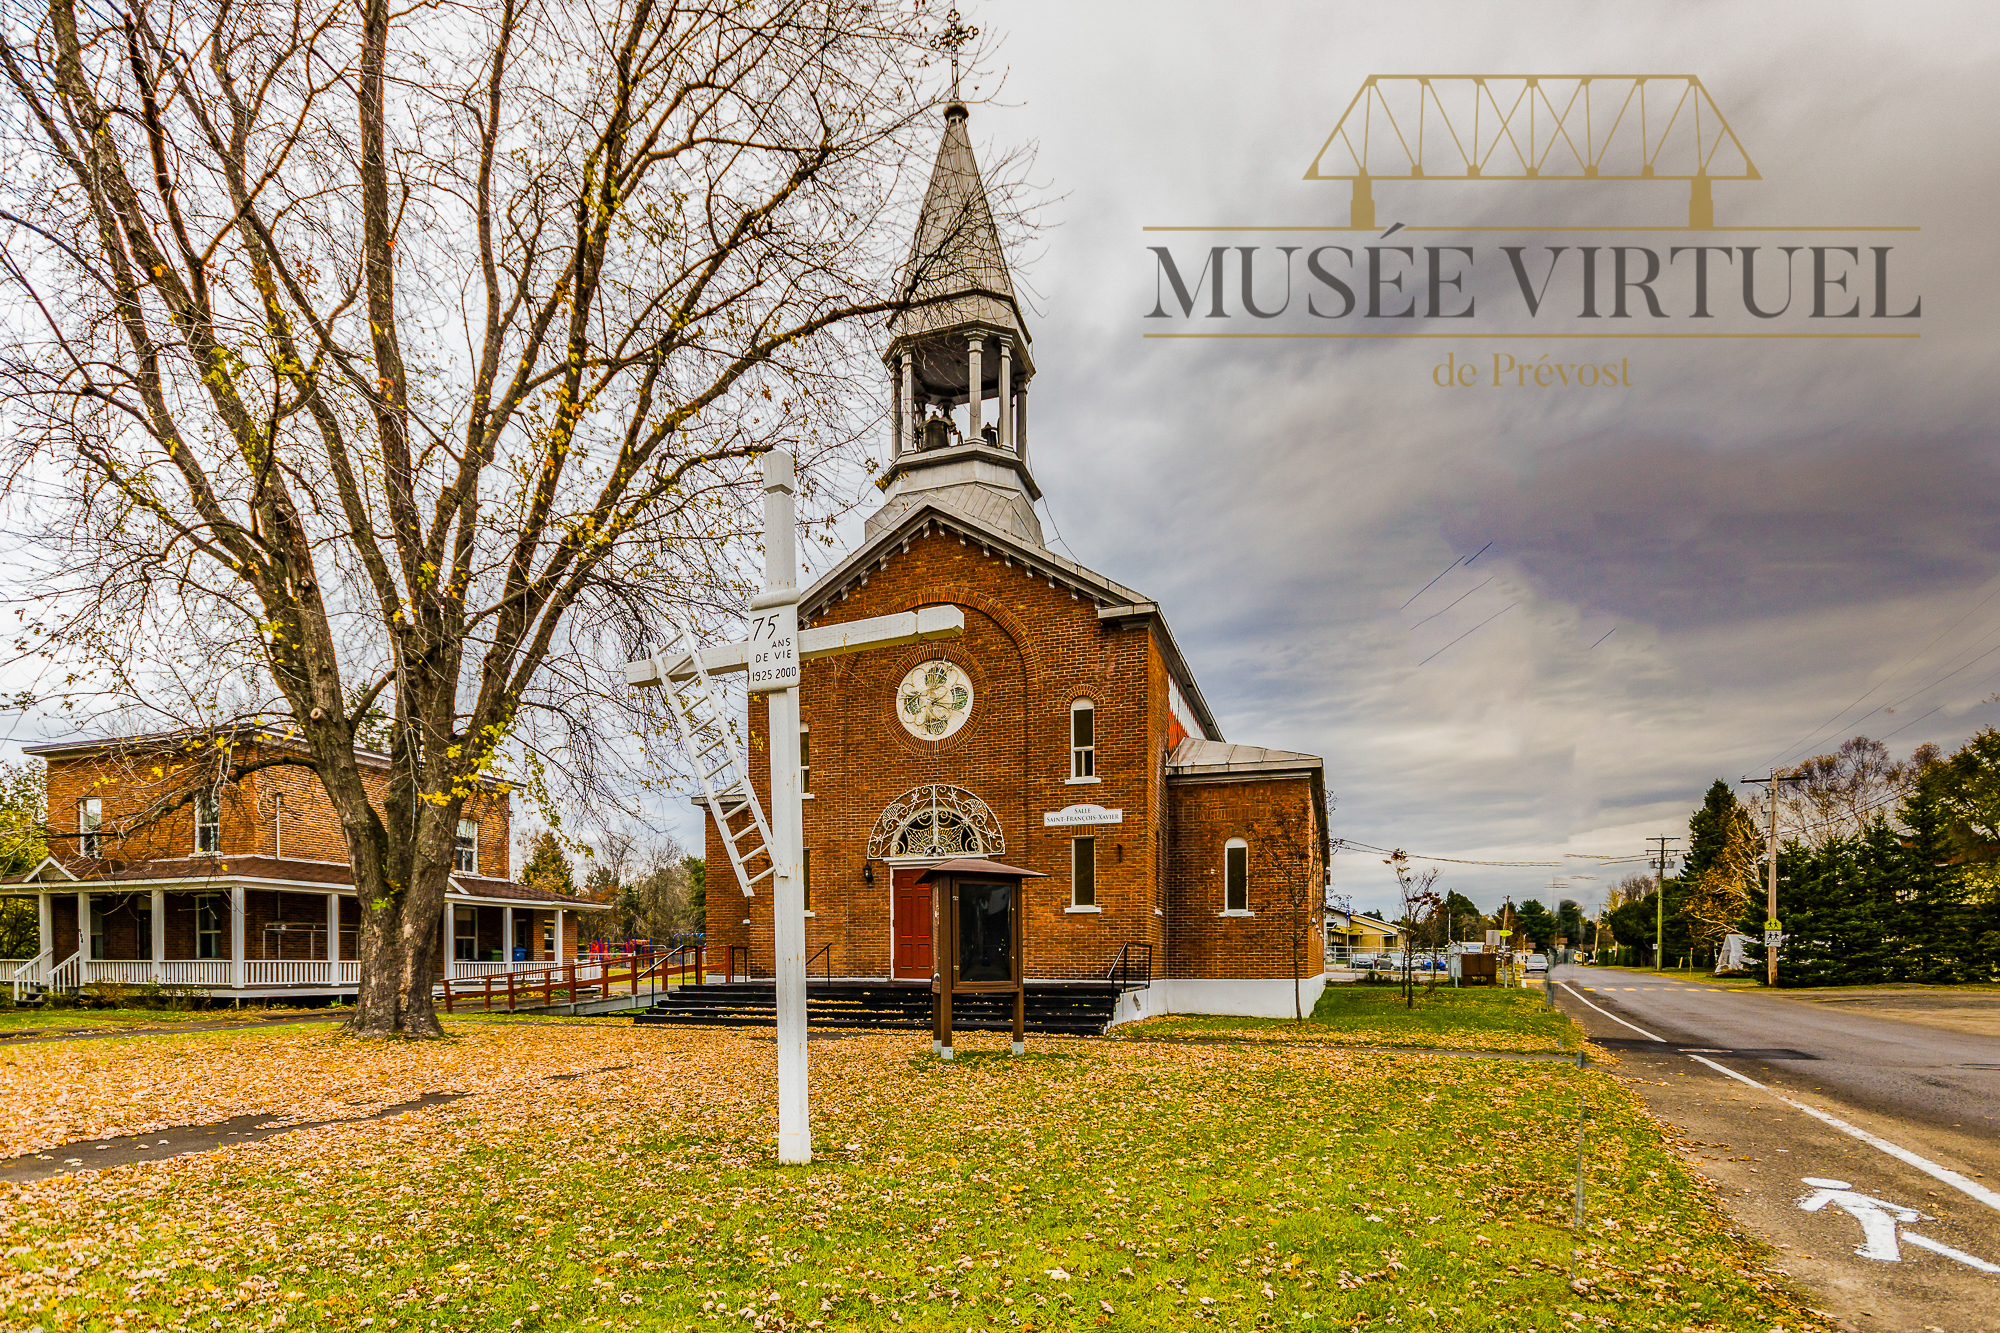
709 742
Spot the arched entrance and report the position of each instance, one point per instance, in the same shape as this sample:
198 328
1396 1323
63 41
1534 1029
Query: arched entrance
923 826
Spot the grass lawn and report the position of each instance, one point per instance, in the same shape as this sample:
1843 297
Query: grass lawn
614 1177
1490 1018
82 1020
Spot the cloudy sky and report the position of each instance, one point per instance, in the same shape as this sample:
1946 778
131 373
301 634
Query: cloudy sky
1768 529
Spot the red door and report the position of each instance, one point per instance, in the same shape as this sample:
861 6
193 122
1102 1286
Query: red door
910 925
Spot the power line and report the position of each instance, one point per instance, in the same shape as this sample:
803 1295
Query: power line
1824 726
1454 602
1453 860
1428 586
1475 629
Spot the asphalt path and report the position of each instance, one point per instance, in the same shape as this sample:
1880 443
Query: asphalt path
1862 1150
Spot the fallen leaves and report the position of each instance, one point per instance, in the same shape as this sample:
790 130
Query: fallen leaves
605 1176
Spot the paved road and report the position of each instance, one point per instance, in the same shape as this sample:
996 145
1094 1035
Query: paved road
1773 1095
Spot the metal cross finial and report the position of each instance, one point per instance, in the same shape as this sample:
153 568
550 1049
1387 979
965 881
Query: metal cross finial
955 35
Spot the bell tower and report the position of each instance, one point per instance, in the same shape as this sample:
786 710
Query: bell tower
960 344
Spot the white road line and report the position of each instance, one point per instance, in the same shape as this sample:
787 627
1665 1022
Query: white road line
1938 1247
1963 1184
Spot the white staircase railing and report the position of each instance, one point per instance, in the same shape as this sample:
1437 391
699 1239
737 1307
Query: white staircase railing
33 973
68 974
709 742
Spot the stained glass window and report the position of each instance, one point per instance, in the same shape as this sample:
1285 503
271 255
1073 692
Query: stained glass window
934 700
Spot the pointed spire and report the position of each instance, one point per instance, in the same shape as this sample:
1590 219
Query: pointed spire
956 261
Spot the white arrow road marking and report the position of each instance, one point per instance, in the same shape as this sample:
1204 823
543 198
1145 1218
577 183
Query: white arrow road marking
1881 1223
1878 1217
1963 1184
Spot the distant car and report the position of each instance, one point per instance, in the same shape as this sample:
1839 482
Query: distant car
1538 962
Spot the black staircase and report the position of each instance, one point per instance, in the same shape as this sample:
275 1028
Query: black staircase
1069 1009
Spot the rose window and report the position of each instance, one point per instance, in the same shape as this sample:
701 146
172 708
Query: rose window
934 700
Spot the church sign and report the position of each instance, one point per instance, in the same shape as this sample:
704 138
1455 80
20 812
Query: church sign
1072 816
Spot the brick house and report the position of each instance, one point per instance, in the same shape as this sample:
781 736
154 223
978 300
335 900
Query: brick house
244 890
1063 733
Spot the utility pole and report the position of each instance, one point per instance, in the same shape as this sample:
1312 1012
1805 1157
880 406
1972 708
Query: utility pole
1772 928
1660 903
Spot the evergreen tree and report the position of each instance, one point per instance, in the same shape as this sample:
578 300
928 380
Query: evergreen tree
1570 924
1539 923
548 866
1938 922
1708 829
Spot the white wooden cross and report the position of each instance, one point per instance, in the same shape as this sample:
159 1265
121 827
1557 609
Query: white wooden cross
773 656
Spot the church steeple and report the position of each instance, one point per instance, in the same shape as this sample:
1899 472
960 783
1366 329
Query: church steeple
961 344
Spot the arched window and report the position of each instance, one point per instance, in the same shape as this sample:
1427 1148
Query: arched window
1082 740
937 833
1236 877
936 821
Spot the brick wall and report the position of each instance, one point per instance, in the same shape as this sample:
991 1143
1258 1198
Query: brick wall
1275 817
1030 650
271 811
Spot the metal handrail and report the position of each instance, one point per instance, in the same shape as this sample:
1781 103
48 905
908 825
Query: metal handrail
735 949
1122 967
826 951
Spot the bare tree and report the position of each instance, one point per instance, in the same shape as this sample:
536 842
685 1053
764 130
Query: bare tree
1422 904
401 370
1843 792
1297 836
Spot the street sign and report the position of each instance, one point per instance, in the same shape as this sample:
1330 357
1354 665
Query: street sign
1773 924
771 656
774 646
1493 938
1773 938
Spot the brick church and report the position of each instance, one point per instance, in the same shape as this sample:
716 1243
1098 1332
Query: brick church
1064 733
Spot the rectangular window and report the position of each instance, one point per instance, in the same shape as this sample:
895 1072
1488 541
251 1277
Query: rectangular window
96 929
207 821
465 934
1236 877
89 819
805 760
1083 872
468 847
806 875
208 926
1082 740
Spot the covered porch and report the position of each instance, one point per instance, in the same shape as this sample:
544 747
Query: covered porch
257 941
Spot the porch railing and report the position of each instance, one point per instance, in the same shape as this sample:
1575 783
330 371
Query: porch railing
68 974
34 972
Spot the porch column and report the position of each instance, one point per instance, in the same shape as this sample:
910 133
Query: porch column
450 927
507 935
333 939
1021 423
82 925
560 956
1005 405
159 934
974 343
237 971
45 926
906 389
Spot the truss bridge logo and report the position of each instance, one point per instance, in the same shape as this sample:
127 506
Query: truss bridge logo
1602 158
